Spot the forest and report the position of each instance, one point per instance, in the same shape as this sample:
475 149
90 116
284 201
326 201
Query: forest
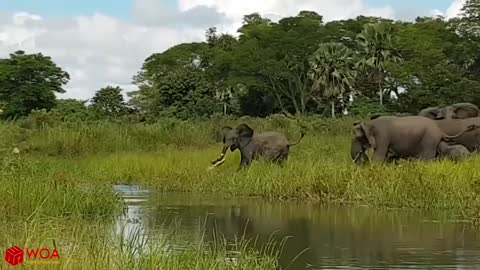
300 65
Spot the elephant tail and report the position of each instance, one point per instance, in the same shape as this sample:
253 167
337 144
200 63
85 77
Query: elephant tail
299 140
468 129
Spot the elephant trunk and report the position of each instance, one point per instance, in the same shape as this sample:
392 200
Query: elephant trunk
357 152
221 158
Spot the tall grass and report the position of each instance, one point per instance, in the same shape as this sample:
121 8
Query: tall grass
72 139
33 188
69 166
93 245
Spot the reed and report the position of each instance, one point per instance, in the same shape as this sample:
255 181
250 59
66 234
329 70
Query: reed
94 245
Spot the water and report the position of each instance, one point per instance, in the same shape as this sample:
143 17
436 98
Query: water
329 237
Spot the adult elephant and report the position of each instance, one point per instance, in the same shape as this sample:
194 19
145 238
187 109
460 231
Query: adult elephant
471 140
271 145
433 113
455 111
400 137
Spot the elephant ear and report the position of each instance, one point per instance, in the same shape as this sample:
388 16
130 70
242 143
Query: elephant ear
244 131
368 132
225 131
465 110
447 112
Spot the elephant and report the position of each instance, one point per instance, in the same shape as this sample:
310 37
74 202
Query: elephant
432 113
455 152
470 140
359 149
271 145
399 137
455 111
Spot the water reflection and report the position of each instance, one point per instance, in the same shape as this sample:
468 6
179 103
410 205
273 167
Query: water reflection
333 237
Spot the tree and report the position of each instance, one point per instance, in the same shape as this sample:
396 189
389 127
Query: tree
274 57
333 70
407 65
71 110
109 102
28 82
376 40
435 66
469 23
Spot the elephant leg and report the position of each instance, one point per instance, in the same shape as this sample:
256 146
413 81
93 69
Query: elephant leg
429 149
244 162
380 153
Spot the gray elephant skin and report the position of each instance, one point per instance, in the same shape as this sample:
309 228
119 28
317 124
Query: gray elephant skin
271 145
471 140
394 137
455 152
455 111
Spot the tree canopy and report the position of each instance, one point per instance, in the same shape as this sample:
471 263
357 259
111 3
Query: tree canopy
29 82
296 65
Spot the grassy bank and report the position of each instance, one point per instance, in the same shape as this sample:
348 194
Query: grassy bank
309 175
59 186
74 139
173 155
94 245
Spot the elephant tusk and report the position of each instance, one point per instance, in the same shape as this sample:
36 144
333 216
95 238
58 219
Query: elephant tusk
219 158
356 157
219 161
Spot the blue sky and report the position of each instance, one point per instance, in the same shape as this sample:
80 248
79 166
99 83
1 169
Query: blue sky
118 8
123 8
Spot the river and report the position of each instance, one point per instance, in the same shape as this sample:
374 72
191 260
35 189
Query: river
319 236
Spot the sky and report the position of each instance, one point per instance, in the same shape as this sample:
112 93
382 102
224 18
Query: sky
105 42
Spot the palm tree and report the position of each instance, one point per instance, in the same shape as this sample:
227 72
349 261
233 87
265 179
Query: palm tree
378 48
333 70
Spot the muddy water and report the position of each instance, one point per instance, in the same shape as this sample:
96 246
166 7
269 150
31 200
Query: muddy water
326 237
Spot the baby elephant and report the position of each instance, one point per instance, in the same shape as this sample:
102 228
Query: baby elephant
455 152
271 145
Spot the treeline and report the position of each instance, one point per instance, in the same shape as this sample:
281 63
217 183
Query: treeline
298 65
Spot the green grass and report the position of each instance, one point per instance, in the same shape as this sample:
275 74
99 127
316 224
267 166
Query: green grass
74 139
327 176
318 169
93 245
59 186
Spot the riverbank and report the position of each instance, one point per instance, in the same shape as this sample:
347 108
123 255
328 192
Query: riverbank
173 155
99 245
327 175
63 174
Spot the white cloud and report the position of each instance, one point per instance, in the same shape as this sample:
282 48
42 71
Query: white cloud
436 12
452 11
98 50
331 10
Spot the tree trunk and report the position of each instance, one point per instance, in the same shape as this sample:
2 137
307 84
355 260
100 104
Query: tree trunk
224 108
295 105
333 108
380 93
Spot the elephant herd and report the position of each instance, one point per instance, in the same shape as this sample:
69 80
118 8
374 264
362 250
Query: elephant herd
437 132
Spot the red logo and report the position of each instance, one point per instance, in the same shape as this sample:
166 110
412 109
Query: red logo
14 255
